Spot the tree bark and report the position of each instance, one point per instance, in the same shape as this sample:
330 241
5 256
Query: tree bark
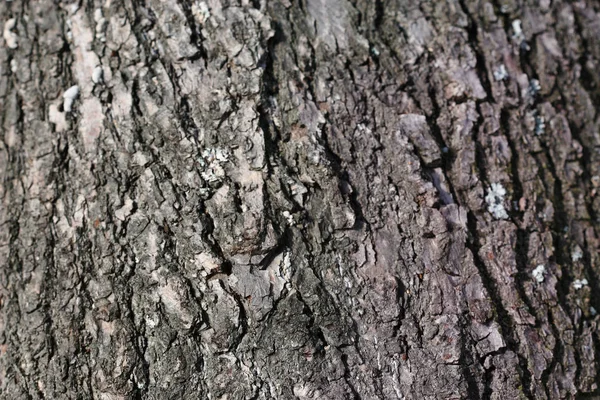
312 199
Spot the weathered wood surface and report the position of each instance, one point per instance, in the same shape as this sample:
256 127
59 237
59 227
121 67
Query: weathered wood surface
321 199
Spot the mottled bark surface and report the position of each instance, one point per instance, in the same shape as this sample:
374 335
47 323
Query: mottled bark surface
313 199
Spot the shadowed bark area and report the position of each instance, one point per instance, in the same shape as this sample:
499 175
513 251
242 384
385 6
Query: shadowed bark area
299 199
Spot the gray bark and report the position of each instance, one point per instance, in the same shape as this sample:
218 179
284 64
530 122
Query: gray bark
312 199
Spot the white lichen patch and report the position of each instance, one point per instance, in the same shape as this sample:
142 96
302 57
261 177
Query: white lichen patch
69 97
518 35
71 92
495 201
288 217
576 254
362 129
534 87
69 32
214 155
517 30
98 75
212 160
10 38
579 283
540 125
101 23
152 320
538 273
201 12
286 265
500 73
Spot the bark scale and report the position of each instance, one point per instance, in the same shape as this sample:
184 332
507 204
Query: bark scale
322 199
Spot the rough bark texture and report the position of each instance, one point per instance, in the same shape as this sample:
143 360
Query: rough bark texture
313 199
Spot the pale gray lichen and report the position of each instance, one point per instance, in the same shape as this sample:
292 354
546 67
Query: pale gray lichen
289 217
10 38
98 75
540 125
579 283
576 254
495 201
518 30
519 36
538 273
69 32
500 73
534 87
212 160
69 97
201 12
101 23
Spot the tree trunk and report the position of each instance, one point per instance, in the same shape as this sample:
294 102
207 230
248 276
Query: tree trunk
312 199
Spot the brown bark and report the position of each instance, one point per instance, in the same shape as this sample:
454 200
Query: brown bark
322 199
